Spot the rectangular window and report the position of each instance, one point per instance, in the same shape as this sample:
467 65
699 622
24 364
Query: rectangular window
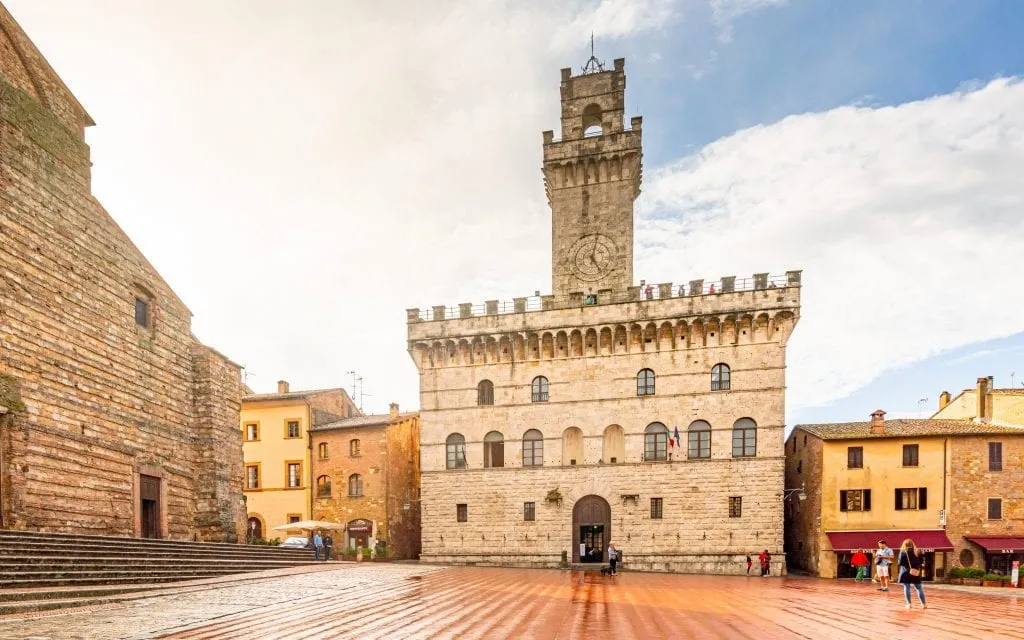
912 499
855 457
910 455
461 513
529 511
656 506
995 508
292 429
995 456
142 312
252 476
252 431
294 517
322 449
855 500
735 507
353 447
293 473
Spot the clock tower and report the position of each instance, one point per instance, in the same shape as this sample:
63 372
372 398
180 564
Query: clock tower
592 176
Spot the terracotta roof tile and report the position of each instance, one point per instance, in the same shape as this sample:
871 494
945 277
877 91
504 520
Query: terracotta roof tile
291 395
902 428
362 421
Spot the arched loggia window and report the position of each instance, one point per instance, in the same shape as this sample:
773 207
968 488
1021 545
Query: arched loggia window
539 389
485 393
645 383
656 442
455 450
699 436
720 377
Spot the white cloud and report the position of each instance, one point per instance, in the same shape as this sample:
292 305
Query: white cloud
724 12
906 220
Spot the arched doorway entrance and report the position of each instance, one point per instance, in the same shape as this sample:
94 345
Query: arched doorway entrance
591 529
255 528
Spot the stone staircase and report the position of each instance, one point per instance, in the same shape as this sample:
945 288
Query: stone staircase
44 571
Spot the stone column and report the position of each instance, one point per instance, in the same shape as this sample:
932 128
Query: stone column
438 312
665 290
520 304
696 287
492 307
465 309
412 315
728 284
760 281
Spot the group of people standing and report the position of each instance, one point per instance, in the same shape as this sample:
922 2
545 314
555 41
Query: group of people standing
765 560
322 546
910 562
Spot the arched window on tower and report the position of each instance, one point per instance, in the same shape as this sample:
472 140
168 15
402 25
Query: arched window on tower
699 435
720 377
645 383
744 438
455 450
533 448
539 389
494 450
655 442
485 393
592 120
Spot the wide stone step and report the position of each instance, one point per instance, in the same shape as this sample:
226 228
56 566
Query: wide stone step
137 543
88 582
60 593
87 564
67 550
8 534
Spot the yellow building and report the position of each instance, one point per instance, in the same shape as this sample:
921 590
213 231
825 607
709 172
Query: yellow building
998 406
276 450
863 482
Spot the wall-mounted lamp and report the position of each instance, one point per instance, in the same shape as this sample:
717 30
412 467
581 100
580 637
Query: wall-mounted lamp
799 493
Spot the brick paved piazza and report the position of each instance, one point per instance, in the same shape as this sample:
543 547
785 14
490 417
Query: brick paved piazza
410 601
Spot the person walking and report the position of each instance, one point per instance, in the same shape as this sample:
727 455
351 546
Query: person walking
613 558
318 545
750 564
860 563
328 543
766 563
911 566
883 557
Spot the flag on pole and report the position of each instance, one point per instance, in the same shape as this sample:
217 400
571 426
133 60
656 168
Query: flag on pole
678 441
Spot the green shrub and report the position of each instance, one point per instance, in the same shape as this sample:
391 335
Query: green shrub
992 577
974 573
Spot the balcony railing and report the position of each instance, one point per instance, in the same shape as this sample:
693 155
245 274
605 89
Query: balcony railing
646 291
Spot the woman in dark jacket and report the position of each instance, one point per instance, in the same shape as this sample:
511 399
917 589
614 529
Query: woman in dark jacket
911 566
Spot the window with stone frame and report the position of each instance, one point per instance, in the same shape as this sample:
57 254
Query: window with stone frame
657 505
854 457
293 474
645 382
736 507
912 499
539 389
910 455
529 511
494 450
252 431
323 487
485 393
995 456
291 429
322 451
744 438
143 307
461 513
699 439
353 448
533 448
252 476
855 500
655 442
355 485
455 451
995 508
720 374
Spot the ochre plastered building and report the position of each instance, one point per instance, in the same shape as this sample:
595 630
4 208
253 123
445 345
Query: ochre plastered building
366 477
954 485
116 419
276 448
549 423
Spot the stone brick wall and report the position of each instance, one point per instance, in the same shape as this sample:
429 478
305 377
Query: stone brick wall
972 484
105 399
403 469
804 535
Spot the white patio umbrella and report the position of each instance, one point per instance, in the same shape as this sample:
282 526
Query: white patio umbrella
309 525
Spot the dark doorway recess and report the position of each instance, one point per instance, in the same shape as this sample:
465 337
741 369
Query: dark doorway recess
149 494
591 526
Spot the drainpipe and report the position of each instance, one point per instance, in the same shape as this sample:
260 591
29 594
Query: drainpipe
309 456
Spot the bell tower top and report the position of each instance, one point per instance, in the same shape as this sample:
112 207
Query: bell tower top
592 176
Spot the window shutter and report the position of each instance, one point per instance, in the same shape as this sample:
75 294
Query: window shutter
867 499
842 501
899 505
922 498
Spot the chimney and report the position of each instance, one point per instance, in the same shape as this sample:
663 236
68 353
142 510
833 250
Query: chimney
981 398
878 422
394 410
943 400
282 386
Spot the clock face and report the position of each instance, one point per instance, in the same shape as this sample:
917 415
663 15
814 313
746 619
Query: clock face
592 257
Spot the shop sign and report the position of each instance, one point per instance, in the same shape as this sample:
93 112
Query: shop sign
1015 573
360 526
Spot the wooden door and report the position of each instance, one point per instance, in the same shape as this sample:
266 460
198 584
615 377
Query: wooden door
591 511
149 494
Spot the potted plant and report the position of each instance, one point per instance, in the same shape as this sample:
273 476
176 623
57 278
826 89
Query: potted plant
956 575
973 576
991 580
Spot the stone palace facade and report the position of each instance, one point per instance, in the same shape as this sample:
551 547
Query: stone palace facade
647 416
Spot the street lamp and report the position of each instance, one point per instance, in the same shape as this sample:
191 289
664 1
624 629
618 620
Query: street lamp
799 492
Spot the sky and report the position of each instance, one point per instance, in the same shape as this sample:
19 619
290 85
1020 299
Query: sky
303 172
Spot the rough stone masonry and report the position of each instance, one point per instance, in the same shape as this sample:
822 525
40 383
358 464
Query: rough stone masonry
115 419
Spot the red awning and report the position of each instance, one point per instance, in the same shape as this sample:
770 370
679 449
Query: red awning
926 540
998 544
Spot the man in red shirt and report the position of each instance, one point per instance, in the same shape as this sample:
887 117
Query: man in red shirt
860 561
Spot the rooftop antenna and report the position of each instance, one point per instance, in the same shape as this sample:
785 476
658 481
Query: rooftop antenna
593 65
1012 375
920 406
